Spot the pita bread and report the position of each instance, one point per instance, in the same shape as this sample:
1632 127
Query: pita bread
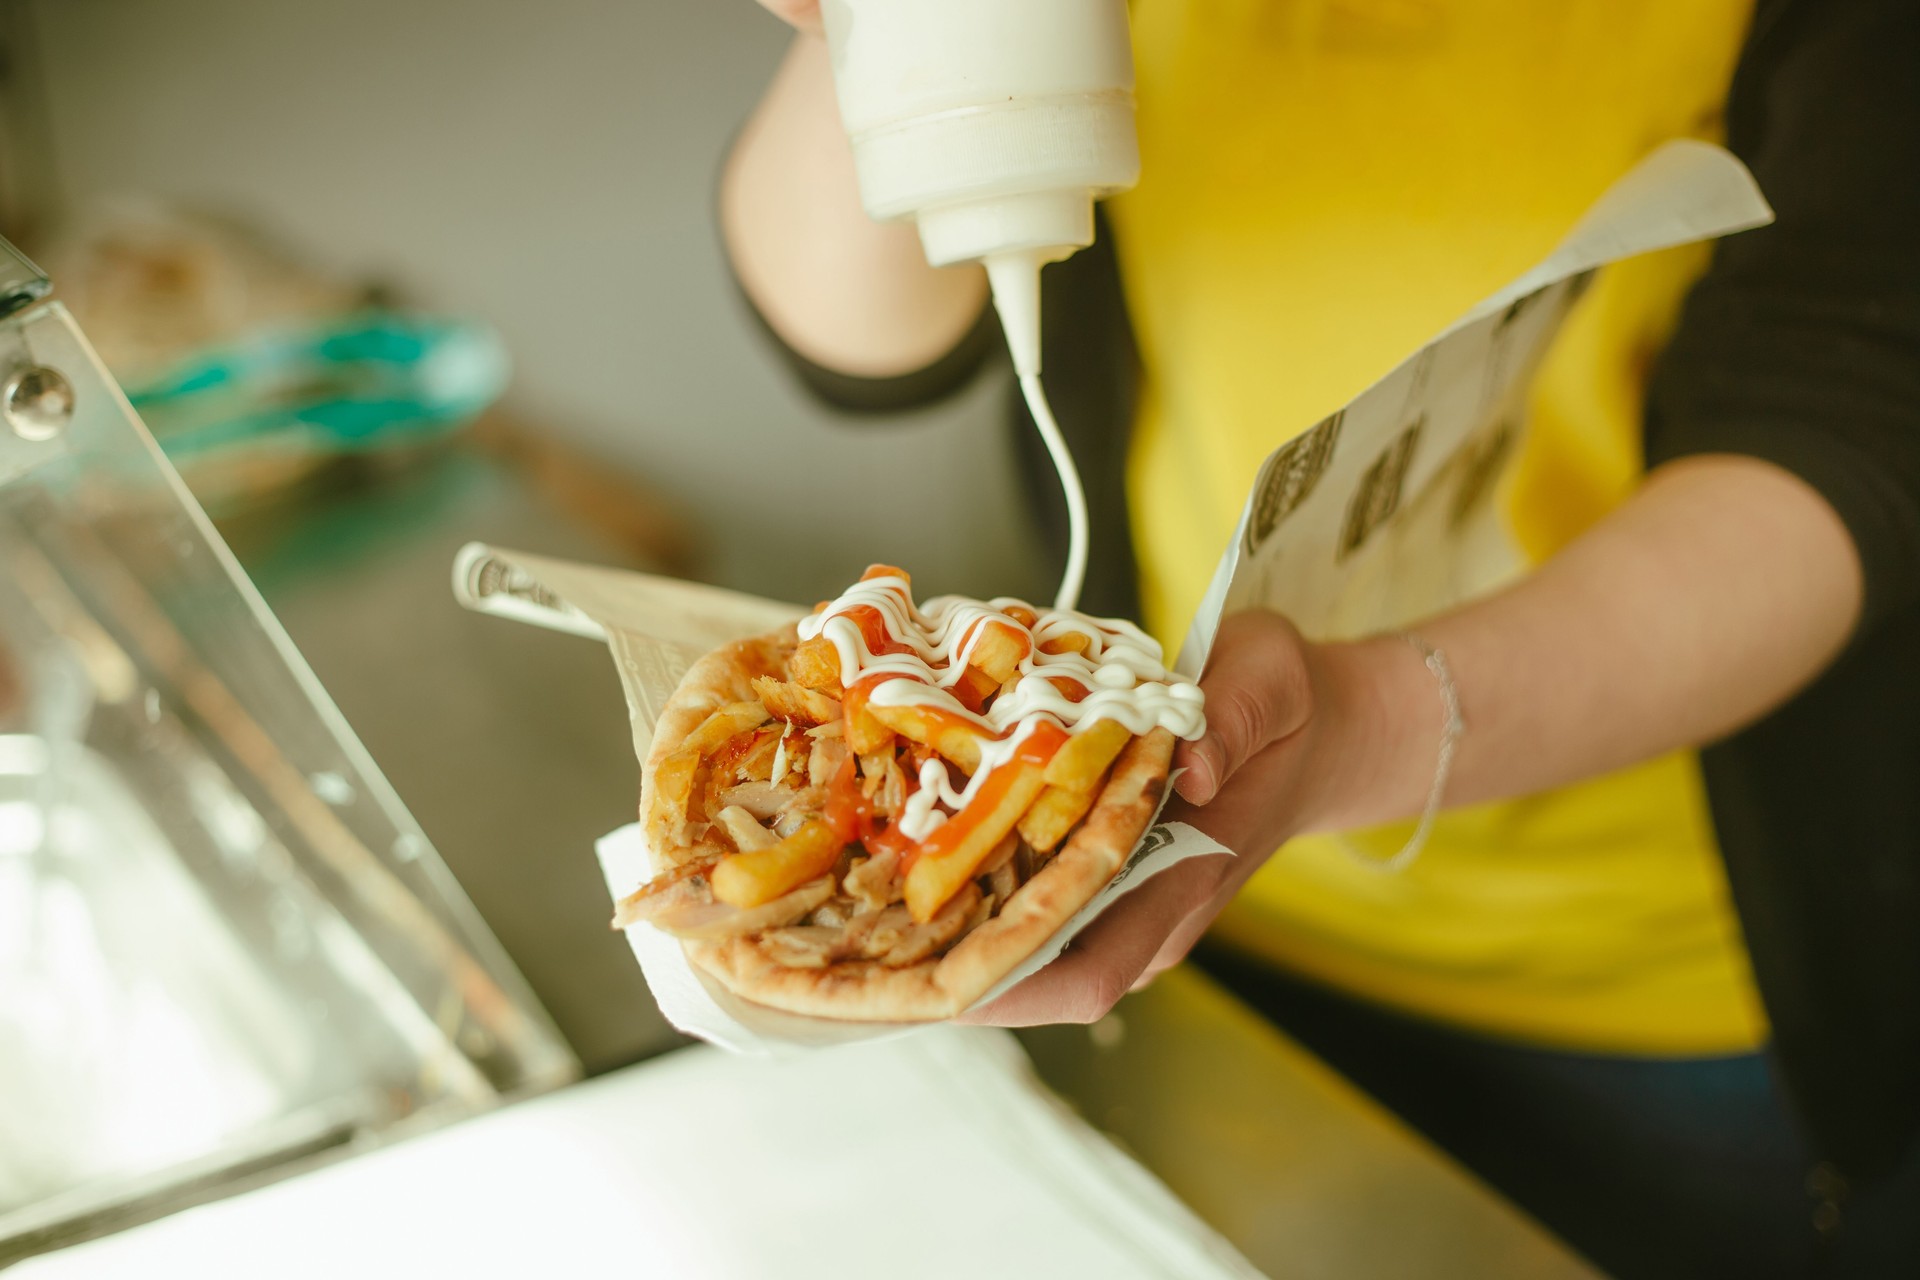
988 946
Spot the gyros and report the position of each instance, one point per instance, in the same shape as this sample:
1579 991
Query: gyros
879 813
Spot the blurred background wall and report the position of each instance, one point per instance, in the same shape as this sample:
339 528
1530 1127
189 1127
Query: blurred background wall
547 168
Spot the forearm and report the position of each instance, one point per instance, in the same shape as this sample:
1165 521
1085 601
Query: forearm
843 291
1712 596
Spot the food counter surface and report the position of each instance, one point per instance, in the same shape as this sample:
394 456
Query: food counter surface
1306 1175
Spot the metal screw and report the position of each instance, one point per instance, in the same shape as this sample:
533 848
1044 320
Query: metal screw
37 403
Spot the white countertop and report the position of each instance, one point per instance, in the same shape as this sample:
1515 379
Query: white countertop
931 1156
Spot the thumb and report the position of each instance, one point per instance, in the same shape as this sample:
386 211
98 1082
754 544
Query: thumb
1257 693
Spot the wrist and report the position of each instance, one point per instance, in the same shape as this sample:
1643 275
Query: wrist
1378 715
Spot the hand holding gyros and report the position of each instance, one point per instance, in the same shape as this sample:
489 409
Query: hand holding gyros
877 815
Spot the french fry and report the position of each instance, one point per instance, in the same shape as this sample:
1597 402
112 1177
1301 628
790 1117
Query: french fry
1022 615
815 664
796 703
1084 757
873 882
1073 777
887 571
882 781
974 687
716 729
945 866
1046 822
750 879
1070 689
745 830
866 732
997 650
952 737
1067 642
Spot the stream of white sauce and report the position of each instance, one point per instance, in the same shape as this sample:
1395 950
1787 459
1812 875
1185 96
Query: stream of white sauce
1121 669
1075 574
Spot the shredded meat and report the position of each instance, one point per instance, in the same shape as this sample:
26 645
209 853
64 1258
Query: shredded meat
923 940
825 759
834 913
981 913
767 802
802 946
875 882
794 703
744 829
858 931
892 796
1002 854
836 932
873 771
1001 881
649 897
760 798
879 930
757 764
687 909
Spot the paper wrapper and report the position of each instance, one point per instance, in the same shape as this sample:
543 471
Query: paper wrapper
1380 514
1386 511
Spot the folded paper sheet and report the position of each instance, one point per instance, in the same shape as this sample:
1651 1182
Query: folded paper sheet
1385 511
1382 513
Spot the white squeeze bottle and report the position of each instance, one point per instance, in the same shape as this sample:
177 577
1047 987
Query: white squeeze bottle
993 125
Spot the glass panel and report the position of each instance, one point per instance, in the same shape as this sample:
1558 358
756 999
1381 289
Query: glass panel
21 283
223 942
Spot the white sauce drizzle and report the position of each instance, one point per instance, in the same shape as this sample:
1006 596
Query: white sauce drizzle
1076 571
1122 670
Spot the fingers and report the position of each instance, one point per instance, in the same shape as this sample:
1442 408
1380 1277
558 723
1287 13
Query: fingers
1187 934
1257 693
1105 960
1080 986
1181 941
1259 696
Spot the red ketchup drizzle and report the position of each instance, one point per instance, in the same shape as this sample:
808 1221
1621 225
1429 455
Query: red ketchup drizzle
1035 749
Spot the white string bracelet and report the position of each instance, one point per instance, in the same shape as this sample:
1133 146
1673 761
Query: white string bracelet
1453 728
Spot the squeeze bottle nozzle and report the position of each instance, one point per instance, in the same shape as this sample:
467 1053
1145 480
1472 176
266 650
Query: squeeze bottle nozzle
1015 280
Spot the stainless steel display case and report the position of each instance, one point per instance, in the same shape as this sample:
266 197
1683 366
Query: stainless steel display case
224 944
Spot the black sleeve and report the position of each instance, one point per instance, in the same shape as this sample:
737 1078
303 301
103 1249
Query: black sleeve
918 389
1801 345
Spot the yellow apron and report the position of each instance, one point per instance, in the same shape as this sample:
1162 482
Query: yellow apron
1327 183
